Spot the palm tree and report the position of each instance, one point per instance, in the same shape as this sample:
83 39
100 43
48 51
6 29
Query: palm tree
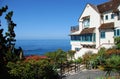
57 56
71 54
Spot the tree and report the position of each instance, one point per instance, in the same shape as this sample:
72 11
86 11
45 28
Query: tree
112 64
3 69
101 55
117 42
57 56
71 54
2 38
86 58
7 43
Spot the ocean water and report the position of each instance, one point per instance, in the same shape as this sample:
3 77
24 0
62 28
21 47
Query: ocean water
40 47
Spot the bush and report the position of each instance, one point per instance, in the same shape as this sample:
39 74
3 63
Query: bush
32 70
112 64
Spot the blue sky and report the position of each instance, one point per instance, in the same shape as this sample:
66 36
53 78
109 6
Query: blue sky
46 19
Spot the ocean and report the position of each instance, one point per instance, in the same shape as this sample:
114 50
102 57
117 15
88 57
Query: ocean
40 47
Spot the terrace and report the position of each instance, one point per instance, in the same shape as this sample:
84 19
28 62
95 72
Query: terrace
74 28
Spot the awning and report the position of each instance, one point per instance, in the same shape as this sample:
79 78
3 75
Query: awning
85 17
87 30
107 26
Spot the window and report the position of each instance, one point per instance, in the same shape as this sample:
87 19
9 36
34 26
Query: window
94 36
83 38
118 32
106 17
75 38
87 37
118 15
77 49
115 33
86 22
112 16
102 35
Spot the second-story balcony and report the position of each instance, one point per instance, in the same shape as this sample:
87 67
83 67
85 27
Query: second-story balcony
74 28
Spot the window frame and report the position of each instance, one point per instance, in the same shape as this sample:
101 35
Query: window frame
112 16
106 17
119 15
118 32
86 22
102 35
77 49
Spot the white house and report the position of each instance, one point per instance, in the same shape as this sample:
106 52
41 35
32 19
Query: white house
98 25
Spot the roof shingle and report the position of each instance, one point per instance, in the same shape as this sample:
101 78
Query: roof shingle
105 6
111 5
87 30
107 26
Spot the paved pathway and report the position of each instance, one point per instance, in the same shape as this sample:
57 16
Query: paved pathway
85 74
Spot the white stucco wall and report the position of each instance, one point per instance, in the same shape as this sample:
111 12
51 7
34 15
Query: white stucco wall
83 51
107 46
95 20
109 17
119 7
75 44
109 37
80 26
94 16
97 38
117 22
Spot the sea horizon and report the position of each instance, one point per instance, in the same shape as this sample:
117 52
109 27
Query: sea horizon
42 46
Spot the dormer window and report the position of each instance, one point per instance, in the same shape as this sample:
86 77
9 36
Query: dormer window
86 22
106 17
118 15
112 16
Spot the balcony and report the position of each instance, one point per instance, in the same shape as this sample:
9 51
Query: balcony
74 29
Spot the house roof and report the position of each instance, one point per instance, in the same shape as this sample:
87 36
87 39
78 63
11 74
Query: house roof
87 31
107 26
94 7
105 6
116 3
85 17
111 5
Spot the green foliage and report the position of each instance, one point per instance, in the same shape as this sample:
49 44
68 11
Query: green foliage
8 52
71 54
112 64
79 60
117 42
101 56
2 38
7 40
57 57
102 51
42 69
113 61
86 58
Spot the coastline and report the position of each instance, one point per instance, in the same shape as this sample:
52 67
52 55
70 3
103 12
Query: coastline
42 46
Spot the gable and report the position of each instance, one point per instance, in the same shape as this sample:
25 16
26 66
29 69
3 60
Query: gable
88 11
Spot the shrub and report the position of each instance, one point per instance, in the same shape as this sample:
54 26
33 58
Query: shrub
32 70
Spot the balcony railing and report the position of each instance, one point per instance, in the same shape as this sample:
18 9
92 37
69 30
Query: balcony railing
74 28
